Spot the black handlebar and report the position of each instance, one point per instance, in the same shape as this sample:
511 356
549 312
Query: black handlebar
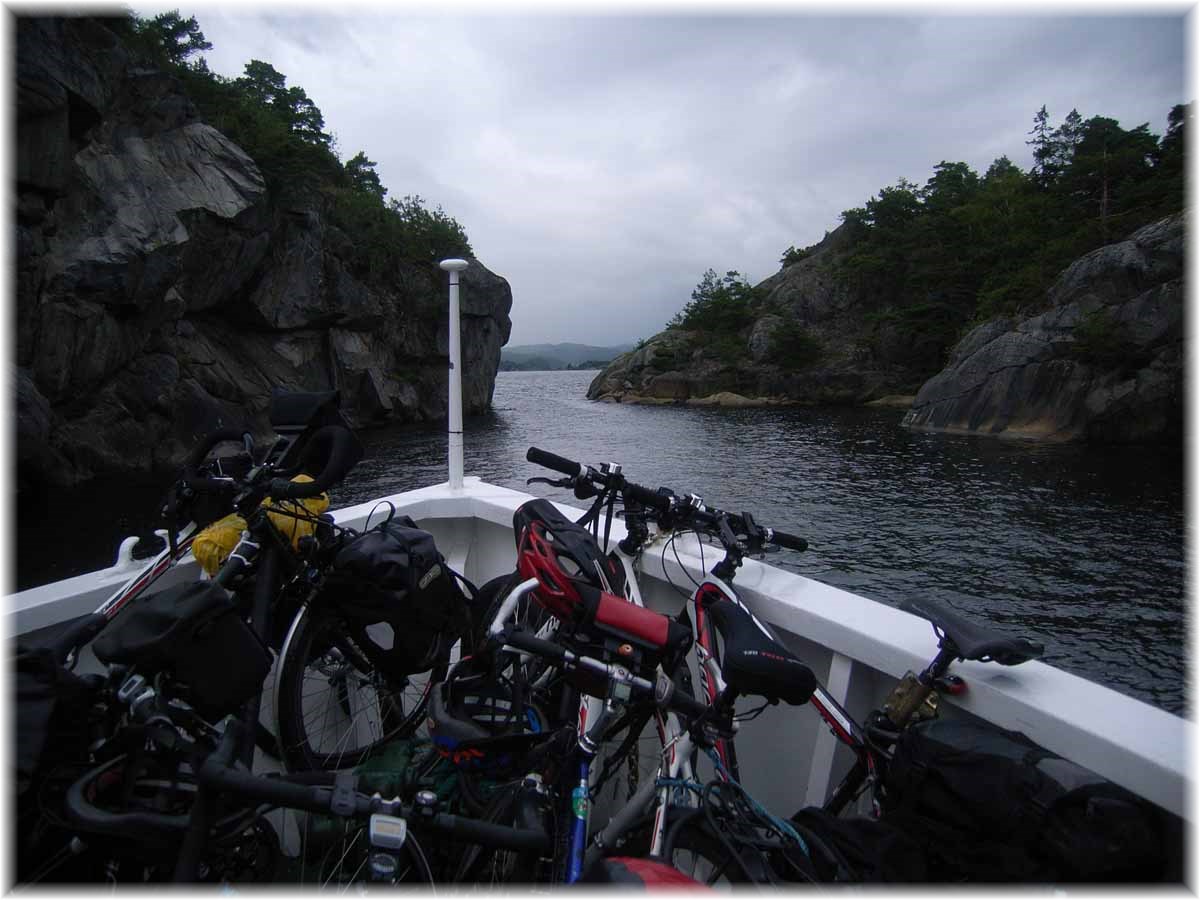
191 477
341 451
218 774
553 461
336 444
789 541
535 645
669 508
664 691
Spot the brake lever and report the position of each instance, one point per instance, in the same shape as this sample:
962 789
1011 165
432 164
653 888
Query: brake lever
561 483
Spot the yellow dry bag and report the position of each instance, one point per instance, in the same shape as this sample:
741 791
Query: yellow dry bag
293 519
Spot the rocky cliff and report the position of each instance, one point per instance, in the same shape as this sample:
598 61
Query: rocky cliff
1100 357
1103 362
808 344
162 293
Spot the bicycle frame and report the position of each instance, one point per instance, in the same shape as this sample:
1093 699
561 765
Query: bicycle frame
149 574
840 722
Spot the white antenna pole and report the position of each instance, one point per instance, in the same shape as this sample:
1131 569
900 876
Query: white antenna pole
455 426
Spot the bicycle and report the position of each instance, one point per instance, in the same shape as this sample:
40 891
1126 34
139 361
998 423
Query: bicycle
700 724
269 575
740 536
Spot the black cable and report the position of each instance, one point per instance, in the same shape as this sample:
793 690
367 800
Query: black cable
751 715
631 736
663 563
705 803
679 561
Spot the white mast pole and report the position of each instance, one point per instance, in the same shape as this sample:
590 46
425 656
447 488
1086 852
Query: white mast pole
455 426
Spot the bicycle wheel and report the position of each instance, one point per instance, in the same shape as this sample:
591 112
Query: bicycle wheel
336 853
728 841
484 865
334 709
700 855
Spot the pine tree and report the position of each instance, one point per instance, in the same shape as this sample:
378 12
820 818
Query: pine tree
363 176
173 36
1065 139
1043 149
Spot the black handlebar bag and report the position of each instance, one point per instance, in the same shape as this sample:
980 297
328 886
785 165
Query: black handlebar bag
394 576
195 634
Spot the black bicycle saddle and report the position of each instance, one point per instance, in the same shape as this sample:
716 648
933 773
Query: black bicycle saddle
970 639
756 664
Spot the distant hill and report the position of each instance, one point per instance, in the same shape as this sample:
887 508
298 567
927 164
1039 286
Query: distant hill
549 357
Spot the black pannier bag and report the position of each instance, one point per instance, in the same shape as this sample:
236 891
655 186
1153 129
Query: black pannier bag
394 574
51 713
53 718
990 805
859 849
193 633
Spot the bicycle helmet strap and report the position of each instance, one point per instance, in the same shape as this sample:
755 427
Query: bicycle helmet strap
608 517
590 517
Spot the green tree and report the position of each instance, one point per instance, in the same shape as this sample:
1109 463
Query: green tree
1066 138
363 177
429 234
952 185
171 38
1108 163
1042 134
719 304
264 83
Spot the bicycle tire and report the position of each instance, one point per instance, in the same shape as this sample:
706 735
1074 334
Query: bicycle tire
476 790
325 687
703 857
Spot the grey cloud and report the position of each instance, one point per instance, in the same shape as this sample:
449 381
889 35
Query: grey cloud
603 163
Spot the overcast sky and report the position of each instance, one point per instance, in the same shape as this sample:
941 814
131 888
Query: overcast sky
602 163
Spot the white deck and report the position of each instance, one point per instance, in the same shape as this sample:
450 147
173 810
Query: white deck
856 646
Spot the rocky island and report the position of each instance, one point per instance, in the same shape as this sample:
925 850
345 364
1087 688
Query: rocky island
1039 326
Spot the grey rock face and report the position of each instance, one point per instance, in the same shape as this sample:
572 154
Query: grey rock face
161 293
1104 363
679 366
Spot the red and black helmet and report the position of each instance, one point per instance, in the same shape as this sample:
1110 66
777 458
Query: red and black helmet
562 556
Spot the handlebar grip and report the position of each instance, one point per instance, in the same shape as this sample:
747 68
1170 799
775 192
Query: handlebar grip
219 775
789 541
136 824
660 503
553 461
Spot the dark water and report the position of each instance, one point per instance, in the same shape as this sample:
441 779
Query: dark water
1081 548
